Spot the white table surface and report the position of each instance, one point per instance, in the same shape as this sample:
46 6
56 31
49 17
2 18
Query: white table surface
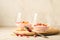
5 34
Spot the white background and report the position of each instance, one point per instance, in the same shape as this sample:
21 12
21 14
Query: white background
48 10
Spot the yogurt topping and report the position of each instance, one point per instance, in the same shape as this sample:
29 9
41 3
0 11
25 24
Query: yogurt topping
39 27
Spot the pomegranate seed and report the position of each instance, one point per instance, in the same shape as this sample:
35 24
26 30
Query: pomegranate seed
21 35
44 25
17 34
